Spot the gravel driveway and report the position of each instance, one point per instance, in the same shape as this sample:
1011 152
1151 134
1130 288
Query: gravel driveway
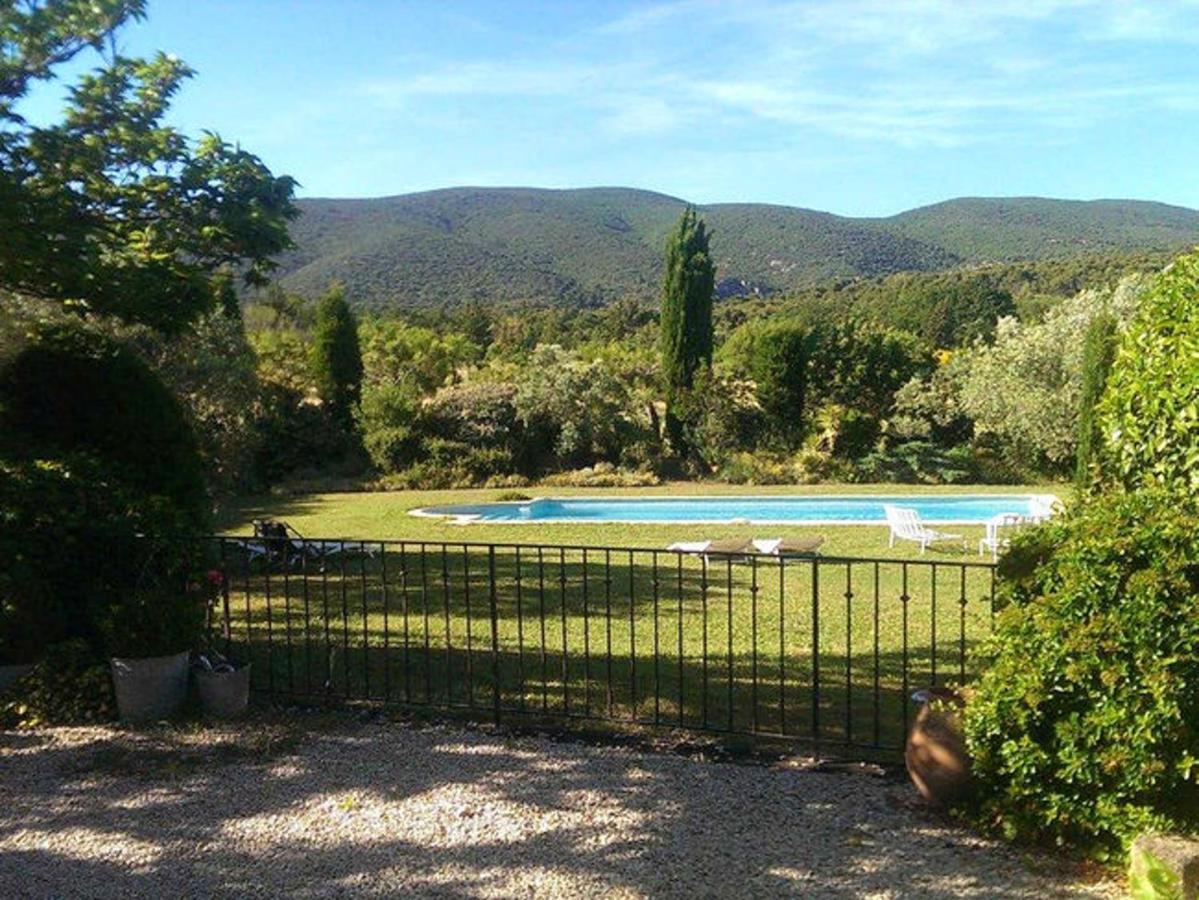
347 807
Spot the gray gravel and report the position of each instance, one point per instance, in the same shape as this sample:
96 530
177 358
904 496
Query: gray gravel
344 807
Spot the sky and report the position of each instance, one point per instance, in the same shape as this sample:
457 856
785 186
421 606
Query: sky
859 107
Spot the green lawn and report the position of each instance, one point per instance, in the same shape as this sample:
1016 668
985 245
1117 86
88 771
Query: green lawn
824 649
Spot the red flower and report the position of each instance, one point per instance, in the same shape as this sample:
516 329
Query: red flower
215 577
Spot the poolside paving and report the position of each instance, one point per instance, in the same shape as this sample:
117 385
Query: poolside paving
339 806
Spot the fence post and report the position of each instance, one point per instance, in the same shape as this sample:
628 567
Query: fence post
495 634
227 625
815 649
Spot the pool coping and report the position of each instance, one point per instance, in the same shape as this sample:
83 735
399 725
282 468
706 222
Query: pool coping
1052 503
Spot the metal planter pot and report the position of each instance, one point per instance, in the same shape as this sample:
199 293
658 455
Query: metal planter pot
150 689
223 695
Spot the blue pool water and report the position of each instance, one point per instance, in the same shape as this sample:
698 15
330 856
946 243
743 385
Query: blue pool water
945 509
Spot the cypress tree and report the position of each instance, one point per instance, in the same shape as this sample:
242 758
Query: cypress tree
337 358
1098 354
687 290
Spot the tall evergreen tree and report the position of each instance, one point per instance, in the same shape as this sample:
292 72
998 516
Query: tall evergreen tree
1098 354
686 313
337 357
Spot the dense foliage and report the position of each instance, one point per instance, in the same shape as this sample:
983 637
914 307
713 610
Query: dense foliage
774 355
473 395
1085 724
119 322
1150 409
111 210
69 685
1022 391
72 390
212 370
71 537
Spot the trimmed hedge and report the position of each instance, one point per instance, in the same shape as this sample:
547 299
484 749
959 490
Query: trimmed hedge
73 391
1149 415
1085 724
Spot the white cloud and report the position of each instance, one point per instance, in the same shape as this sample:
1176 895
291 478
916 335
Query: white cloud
547 79
637 115
907 72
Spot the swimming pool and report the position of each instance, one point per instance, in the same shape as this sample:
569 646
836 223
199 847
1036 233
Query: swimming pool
861 509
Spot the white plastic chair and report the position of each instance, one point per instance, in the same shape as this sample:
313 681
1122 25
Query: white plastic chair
906 526
993 540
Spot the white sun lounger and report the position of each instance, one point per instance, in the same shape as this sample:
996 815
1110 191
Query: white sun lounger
906 526
740 548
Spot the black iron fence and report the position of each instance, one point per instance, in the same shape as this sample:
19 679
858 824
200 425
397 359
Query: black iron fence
820 649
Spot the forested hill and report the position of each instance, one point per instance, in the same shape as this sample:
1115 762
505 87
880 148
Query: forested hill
593 245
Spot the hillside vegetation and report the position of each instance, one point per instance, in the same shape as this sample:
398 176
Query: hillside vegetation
589 246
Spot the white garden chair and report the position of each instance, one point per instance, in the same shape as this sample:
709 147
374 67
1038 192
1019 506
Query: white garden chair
905 525
993 540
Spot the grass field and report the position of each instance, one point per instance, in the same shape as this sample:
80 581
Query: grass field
826 649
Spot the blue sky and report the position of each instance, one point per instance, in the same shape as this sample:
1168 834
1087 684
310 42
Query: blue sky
860 107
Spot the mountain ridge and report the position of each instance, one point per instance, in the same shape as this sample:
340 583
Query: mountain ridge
592 245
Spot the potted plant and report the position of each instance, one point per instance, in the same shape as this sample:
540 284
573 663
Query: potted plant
222 685
150 634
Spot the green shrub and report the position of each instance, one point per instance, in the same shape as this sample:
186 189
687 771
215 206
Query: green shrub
474 413
386 418
719 417
164 610
213 372
72 390
474 463
845 431
774 355
297 437
601 475
814 465
573 411
863 365
759 468
917 462
507 481
390 449
644 454
1149 415
511 497
71 541
947 312
1084 726
70 686
452 464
